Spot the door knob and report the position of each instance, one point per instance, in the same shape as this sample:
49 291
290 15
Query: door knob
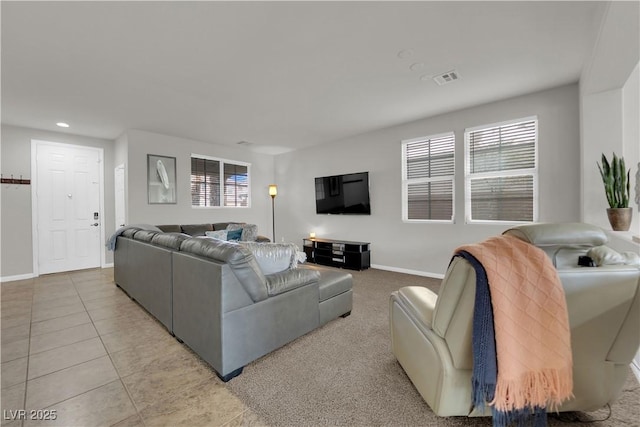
95 224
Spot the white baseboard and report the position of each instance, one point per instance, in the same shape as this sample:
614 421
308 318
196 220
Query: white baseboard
408 271
17 277
31 275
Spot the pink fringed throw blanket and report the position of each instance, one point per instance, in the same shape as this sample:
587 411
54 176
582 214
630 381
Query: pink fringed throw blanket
532 335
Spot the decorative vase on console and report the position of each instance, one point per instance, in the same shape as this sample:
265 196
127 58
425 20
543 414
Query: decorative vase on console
615 178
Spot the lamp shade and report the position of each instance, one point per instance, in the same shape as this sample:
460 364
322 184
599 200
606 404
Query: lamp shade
273 190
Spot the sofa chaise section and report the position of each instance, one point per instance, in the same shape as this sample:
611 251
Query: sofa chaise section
230 313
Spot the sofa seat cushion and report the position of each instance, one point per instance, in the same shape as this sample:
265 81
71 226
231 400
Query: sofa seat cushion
333 283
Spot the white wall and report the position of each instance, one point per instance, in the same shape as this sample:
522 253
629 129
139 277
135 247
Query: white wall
601 133
17 247
631 139
609 90
610 124
141 143
427 248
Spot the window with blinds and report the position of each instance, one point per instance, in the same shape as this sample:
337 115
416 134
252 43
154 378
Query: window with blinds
217 182
501 173
428 176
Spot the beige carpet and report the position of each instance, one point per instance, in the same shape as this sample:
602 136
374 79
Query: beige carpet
345 374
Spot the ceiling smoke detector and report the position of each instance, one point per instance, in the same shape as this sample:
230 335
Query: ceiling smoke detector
447 77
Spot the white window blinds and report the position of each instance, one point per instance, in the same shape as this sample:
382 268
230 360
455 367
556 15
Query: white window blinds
428 174
217 182
501 174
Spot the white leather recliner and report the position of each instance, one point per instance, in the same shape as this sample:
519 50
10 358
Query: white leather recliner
431 334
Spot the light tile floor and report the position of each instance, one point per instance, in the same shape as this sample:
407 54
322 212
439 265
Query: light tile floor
75 343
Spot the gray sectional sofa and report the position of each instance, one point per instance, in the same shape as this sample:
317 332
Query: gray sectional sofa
213 296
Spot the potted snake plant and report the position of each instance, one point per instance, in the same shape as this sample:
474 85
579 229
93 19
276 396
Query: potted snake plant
615 178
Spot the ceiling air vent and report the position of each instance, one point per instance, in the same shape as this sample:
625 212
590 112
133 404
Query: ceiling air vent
447 77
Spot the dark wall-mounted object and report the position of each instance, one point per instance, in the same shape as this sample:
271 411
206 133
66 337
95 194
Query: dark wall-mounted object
343 194
13 180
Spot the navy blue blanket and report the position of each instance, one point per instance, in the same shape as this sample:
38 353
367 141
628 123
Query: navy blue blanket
485 363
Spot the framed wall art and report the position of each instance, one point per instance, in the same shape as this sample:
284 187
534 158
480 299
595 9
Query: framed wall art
161 179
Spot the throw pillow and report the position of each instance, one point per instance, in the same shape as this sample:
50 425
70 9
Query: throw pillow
249 231
273 257
604 255
234 234
220 234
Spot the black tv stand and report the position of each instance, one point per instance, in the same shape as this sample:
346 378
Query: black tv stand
338 253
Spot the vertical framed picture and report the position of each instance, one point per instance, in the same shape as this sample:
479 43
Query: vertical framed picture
161 179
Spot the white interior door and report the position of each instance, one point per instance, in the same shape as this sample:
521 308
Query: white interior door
120 200
68 207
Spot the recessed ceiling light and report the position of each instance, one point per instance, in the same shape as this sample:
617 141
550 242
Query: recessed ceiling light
406 53
62 124
416 66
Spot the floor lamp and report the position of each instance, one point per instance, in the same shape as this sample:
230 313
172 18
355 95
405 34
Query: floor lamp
273 192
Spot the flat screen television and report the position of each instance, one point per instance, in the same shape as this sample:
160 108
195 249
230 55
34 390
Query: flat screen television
343 194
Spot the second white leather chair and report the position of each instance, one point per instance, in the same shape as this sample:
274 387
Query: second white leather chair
431 334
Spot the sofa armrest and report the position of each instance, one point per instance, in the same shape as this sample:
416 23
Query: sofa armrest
421 302
284 281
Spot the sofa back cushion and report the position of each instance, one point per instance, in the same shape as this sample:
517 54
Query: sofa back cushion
130 231
144 235
196 229
170 240
273 257
223 225
170 228
240 259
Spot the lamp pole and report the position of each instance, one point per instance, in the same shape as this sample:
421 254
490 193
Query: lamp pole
273 192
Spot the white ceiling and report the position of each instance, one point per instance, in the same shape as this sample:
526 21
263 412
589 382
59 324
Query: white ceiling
281 75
